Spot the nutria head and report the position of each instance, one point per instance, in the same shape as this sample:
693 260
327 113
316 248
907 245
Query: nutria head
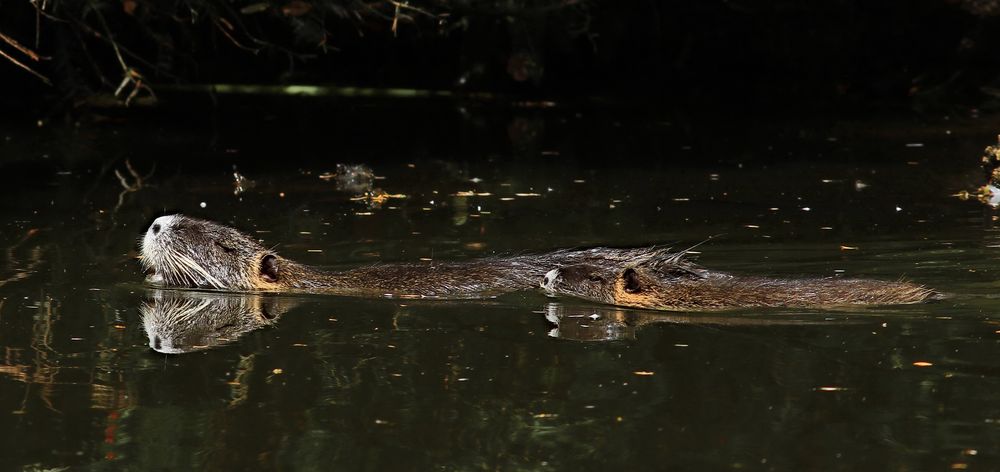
186 252
654 283
581 280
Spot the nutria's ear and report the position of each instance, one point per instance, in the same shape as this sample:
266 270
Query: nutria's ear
269 268
631 279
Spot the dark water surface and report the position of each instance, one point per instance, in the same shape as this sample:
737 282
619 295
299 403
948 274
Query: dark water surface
522 382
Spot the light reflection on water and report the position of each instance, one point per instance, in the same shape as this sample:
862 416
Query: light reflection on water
315 381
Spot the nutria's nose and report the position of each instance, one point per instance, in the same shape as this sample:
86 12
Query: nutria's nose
163 223
549 279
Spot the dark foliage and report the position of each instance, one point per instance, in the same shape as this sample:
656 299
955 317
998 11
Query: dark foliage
746 53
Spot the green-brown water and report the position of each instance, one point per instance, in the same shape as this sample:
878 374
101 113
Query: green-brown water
353 384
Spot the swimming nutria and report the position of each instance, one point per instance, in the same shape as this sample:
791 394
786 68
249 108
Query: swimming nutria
670 283
188 252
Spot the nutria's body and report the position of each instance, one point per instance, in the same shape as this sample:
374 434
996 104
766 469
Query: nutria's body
669 283
187 252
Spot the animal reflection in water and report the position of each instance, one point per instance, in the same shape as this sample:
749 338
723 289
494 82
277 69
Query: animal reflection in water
179 322
597 323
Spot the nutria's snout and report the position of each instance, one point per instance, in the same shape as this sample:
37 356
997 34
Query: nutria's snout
157 229
152 245
549 281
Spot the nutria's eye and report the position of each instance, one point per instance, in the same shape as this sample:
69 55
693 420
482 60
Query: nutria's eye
224 247
269 268
631 279
595 278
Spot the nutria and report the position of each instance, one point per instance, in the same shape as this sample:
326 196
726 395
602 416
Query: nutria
179 322
668 282
180 251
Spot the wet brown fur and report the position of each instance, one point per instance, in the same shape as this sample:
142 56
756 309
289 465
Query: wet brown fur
664 285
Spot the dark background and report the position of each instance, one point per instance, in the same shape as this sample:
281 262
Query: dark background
750 56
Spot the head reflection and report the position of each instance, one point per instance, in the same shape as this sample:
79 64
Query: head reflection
177 322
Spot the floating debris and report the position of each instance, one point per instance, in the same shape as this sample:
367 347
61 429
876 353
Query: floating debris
922 364
241 183
353 178
377 197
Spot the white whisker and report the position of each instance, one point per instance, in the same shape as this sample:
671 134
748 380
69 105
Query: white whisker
191 264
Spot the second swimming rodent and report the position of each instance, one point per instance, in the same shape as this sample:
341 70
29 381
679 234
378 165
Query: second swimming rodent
667 282
180 251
